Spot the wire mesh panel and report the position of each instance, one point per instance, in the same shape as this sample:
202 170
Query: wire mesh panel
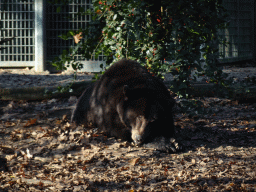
17 19
239 34
61 22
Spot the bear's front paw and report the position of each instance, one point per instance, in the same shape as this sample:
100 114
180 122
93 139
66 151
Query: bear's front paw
173 145
165 145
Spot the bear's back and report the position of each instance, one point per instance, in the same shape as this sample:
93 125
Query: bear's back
131 73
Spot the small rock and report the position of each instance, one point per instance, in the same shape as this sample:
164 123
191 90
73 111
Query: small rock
72 99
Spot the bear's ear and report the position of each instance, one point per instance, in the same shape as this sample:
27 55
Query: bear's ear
125 90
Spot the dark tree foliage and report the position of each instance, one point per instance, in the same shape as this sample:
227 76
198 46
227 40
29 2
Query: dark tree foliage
165 36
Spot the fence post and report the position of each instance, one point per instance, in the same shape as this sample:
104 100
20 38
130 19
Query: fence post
254 31
39 35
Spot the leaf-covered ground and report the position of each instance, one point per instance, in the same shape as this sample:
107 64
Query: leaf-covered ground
40 151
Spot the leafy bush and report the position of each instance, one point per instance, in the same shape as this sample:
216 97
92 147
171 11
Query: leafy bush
164 36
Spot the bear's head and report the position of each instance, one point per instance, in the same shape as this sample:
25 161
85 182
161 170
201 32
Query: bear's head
141 111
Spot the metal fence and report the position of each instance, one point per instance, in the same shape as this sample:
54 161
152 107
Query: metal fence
18 21
36 26
241 31
63 21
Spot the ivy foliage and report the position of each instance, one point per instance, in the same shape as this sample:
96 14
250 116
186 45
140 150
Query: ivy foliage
164 36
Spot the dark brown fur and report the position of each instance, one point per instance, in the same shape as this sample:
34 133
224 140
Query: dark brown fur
127 102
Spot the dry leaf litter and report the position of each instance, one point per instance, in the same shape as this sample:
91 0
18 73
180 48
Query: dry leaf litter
41 151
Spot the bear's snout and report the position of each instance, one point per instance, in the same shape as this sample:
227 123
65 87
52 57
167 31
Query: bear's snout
137 139
139 130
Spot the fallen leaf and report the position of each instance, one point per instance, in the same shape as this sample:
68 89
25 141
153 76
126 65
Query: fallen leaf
124 168
219 161
235 102
9 124
134 161
77 37
30 122
41 184
28 154
64 117
58 122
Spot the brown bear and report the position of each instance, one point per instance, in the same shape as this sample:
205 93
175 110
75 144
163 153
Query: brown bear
129 103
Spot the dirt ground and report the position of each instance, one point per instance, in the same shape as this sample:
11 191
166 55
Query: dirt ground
40 151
